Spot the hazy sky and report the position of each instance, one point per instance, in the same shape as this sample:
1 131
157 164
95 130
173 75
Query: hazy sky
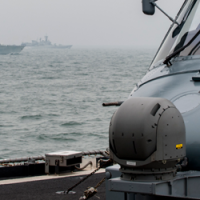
84 22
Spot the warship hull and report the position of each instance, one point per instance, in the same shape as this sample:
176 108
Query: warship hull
63 46
49 46
10 49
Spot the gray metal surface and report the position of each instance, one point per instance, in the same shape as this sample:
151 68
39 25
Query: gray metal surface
147 138
114 172
142 126
185 185
177 86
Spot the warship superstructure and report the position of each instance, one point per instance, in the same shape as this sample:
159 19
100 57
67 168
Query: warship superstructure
45 43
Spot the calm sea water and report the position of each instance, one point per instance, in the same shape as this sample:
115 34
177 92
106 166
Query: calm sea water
51 99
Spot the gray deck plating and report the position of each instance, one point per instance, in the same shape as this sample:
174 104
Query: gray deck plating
46 189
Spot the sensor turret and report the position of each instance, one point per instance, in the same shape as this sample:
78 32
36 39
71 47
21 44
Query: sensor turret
147 138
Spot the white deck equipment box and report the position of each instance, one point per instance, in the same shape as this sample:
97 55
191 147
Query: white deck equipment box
62 159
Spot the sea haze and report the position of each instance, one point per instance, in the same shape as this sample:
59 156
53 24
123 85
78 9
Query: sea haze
51 99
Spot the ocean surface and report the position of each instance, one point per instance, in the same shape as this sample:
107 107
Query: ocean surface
51 99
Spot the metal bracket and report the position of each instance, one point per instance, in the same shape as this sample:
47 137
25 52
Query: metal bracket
57 164
170 18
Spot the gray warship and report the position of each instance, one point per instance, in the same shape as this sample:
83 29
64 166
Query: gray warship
10 49
154 139
45 43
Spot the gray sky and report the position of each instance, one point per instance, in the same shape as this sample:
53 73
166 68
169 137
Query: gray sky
84 22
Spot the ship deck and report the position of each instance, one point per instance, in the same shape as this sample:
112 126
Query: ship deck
45 187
